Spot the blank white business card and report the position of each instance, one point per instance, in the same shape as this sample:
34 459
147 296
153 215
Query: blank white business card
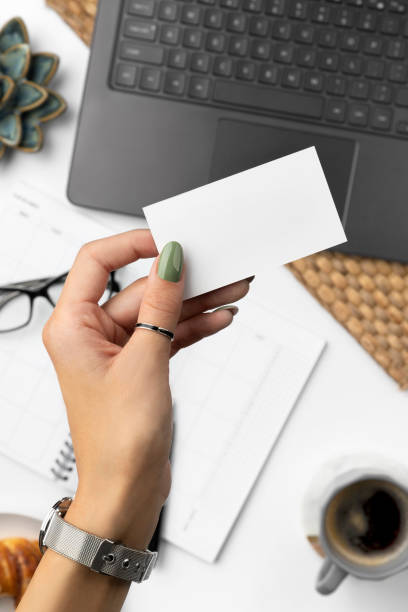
261 218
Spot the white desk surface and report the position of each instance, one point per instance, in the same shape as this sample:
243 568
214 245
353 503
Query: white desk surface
349 405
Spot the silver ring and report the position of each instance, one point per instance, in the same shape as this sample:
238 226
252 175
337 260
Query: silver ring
155 328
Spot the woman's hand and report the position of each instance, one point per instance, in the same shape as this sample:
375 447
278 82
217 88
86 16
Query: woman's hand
115 380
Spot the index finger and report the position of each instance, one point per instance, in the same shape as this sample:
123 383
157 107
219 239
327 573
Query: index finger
89 274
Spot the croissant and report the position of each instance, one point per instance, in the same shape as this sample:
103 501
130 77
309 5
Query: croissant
18 561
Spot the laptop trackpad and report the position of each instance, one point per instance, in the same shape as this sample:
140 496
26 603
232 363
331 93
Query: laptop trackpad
241 145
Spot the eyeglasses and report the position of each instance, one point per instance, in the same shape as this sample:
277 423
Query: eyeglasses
17 299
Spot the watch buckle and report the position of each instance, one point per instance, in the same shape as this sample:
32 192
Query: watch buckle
105 548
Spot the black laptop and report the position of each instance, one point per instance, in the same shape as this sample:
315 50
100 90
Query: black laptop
183 92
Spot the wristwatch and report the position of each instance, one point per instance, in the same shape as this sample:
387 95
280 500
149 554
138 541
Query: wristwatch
99 554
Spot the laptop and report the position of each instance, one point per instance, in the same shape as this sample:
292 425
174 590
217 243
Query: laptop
183 92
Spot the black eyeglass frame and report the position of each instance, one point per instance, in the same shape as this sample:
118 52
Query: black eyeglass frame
39 287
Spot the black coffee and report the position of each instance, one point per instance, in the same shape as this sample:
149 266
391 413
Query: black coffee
366 518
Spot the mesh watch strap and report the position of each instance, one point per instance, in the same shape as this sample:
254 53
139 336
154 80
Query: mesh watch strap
99 554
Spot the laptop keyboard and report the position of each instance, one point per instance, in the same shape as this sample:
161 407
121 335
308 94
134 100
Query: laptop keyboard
337 62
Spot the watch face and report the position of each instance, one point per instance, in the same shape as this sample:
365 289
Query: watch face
61 506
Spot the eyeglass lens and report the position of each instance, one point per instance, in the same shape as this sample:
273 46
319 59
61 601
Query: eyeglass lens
15 310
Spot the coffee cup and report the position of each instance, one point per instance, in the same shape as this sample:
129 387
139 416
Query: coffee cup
363 529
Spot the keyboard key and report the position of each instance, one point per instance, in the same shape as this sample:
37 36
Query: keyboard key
306 57
140 29
140 52
374 69
396 49
350 42
281 30
199 88
390 25
314 81
291 77
359 90
200 62
382 93
336 111
329 61
402 97
381 118
245 71
320 14
213 19
396 6
170 35
268 74
358 114
275 7
272 100
283 54
373 45
150 80
253 6
304 34
191 14
328 38
177 58
336 85
236 22
175 83
230 4
344 18
367 22
216 42
298 9
352 65
222 66
261 49
238 46
398 73
142 8
402 127
126 75
168 11
259 26
193 39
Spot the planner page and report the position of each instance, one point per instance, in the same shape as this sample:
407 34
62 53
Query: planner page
39 237
233 394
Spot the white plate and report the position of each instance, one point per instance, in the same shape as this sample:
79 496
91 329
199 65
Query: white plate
19 526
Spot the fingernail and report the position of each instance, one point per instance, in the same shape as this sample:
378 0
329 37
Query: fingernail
171 262
231 307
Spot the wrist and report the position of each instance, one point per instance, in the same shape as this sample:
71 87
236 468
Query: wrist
114 518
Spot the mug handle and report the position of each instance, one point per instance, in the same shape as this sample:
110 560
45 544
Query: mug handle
329 577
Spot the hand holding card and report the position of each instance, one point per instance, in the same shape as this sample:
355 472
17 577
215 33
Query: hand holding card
248 222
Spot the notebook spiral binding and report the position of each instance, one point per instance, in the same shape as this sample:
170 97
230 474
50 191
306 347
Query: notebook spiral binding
65 462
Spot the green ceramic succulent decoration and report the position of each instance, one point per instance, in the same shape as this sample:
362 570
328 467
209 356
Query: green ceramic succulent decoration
25 99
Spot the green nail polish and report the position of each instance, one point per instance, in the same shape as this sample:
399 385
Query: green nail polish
171 262
231 307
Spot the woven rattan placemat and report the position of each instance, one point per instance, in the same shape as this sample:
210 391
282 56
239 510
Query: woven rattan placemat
79 14
369 297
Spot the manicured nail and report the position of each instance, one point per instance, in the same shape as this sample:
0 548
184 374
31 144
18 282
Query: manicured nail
171 262
231 307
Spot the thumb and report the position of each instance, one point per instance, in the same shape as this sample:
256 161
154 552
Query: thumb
163 297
